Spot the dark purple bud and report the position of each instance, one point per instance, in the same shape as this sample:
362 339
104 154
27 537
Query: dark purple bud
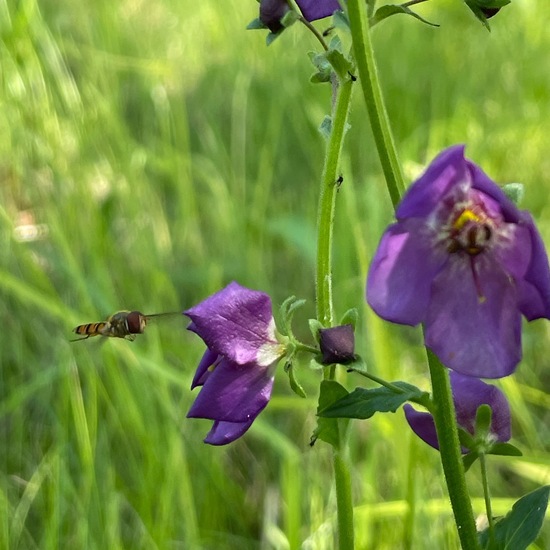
136 322
271 13
337 344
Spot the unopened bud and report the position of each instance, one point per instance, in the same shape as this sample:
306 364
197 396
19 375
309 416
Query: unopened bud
337 344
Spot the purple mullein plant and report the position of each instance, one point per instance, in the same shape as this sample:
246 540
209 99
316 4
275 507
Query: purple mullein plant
317 9
468 395
236 371
463 260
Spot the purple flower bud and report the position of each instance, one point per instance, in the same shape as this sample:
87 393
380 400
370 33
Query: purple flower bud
236 371
318 9
271 13
337 344
489 12
463 260
468 395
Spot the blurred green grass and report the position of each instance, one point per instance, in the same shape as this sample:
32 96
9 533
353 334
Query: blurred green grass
158 151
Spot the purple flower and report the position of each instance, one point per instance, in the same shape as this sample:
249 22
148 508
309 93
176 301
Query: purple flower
236 371
463 260
468 395
317 9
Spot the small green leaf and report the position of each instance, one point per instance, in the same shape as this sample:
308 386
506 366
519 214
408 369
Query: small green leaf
363 403
393 9
340 63
504 449
330 430
520 527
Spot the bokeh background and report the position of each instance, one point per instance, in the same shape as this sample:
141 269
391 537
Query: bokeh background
153 151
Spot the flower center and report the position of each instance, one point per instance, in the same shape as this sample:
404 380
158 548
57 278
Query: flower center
470 231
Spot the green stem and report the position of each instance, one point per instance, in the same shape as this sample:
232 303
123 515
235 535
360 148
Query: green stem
378 117
344 500
325 220
451 458
487 496
323 291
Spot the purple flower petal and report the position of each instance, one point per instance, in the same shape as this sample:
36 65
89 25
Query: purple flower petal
446 170
476 335
317 9
422 424
202 373
398 284
234 393
223 433
235 322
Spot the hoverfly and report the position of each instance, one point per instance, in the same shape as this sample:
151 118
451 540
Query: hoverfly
122 324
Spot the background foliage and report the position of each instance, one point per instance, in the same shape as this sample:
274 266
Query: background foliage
150 152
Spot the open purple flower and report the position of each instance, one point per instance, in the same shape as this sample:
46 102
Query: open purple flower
468 395
466 262
236 371
317 9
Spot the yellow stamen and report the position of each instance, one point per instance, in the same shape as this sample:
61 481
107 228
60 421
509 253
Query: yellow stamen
465 217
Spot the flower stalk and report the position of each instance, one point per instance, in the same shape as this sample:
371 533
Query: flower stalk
323 291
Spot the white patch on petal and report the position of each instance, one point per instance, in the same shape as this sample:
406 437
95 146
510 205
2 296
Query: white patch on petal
272 350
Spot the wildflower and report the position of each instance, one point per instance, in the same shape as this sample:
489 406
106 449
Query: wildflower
236 371
468 395
463 260
317 9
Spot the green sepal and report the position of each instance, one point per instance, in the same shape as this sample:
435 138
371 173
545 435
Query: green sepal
394 9
484 414
289 18
350 318
330 430
295 386
521 526
515 192
342 66
504 449
363 403
359 365
466 439
477 5
469 459
314 327
255 24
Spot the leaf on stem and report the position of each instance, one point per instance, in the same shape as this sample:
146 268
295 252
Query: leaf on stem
364 403
330 430
393 9
520 527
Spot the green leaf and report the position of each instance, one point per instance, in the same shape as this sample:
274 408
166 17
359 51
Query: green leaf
520 527
330 430
393 9
340 63
315 327
363 403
